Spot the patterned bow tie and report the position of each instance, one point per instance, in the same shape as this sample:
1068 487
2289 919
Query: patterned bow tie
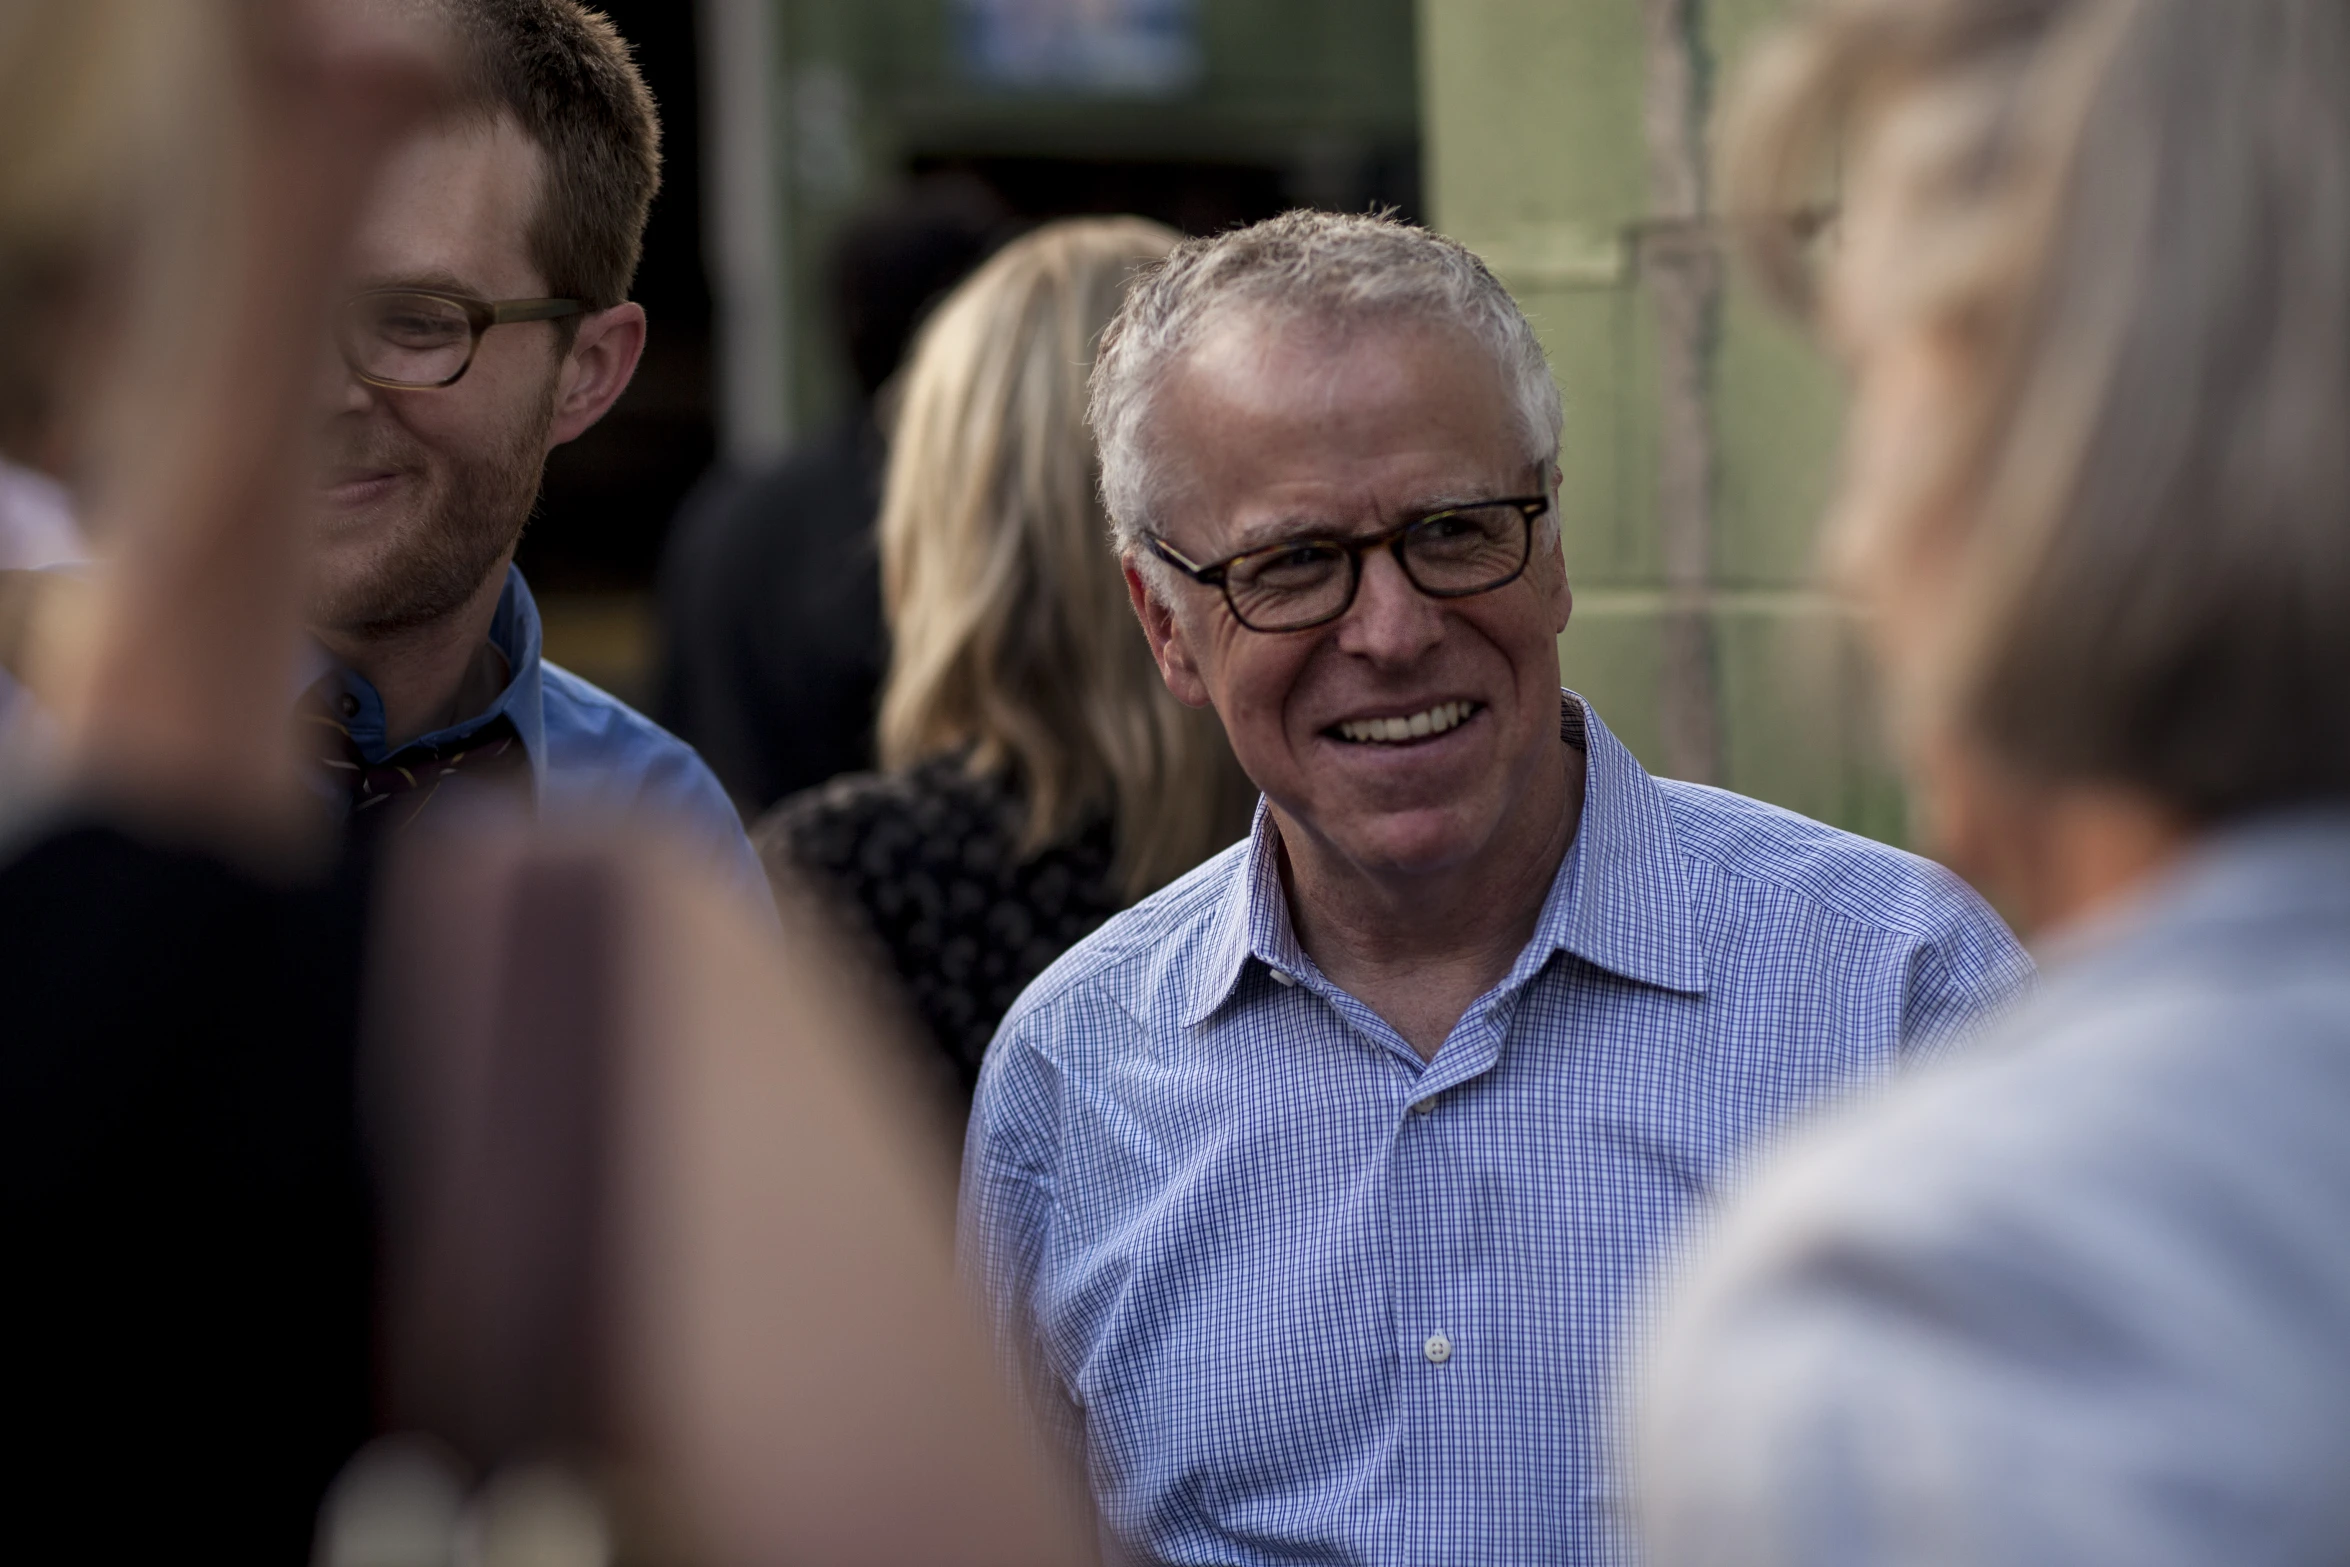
388 796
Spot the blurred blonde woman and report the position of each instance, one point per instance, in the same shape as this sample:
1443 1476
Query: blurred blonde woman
2081 1296
1037 777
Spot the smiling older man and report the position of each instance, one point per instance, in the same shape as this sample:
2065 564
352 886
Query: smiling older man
1315 1192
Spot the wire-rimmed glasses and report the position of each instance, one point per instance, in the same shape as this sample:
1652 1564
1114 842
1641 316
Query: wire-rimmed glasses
418 339
1299 584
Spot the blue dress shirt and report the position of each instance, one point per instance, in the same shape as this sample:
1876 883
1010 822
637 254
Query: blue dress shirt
1302 1297
588 750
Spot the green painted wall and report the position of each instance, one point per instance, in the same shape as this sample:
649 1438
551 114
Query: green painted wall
1531 124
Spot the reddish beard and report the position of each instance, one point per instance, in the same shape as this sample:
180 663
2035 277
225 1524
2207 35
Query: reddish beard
432 565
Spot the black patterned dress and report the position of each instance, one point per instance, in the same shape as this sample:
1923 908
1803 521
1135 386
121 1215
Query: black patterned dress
926 865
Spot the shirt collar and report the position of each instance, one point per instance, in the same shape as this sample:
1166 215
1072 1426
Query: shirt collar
515 632
1617 902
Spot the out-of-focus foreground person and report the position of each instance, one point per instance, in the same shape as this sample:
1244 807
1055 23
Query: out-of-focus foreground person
2084 1298
1039 777
666 1274
589 1058
184 1334
772 646
1314 1190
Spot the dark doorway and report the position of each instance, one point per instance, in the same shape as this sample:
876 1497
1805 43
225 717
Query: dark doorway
609 495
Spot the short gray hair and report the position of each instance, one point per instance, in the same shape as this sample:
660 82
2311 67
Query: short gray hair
1302 265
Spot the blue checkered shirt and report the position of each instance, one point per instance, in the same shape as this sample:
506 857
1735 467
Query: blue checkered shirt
1303 1297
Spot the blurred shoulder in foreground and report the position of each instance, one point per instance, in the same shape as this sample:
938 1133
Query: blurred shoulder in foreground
2081 1296
2085 1296
658 1213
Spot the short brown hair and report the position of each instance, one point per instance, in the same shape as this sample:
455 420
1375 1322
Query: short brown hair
2135 215
568 78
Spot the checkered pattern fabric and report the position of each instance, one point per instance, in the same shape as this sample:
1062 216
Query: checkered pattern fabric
1304 1298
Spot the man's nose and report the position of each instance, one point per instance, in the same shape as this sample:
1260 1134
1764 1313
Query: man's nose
1391 621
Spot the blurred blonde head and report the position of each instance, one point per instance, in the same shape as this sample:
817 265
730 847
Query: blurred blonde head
2094 278
105 110
1012 637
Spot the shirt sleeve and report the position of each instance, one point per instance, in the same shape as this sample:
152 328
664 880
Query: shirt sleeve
1968 974
710 813
678 788
1009 1157
602 755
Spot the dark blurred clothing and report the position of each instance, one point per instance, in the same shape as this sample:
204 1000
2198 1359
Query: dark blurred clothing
773 647
927 863
2083 1296
183 1216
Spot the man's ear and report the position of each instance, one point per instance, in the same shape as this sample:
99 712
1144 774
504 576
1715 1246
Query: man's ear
603 357
1558 594
1550 561
1169 645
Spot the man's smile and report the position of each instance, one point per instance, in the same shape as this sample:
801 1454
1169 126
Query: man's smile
355 487
1405 728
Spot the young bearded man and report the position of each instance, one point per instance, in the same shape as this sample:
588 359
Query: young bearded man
1317 1192
486 323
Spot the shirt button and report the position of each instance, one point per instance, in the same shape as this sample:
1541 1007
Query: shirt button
1438 1349
350 705
1282 978
1423 1106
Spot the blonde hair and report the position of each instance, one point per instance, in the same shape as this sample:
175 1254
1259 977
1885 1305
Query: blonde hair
111 120
1012 639
2130 219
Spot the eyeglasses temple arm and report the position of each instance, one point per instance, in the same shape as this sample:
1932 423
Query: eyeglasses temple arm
1168 553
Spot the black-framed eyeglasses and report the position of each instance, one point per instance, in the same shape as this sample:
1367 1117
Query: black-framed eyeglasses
418 339
1299 584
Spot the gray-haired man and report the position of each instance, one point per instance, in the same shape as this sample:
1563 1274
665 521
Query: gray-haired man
1313 1191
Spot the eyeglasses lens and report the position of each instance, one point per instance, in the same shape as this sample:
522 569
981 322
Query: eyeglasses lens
1295 585
1468 550
1455 554
407 339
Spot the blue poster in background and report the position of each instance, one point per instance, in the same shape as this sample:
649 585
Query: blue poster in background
1086 46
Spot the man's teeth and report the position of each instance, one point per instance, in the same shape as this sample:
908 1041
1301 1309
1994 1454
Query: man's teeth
1386 731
